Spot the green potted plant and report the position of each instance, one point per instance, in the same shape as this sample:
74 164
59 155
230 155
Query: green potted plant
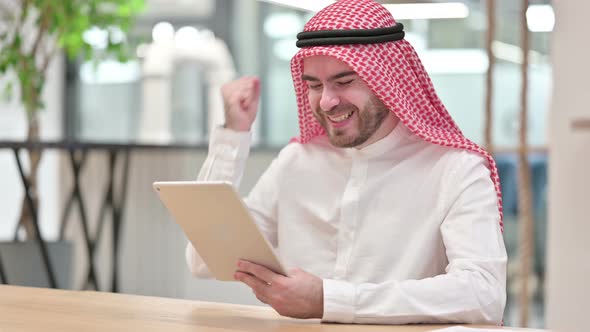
32 32
35 30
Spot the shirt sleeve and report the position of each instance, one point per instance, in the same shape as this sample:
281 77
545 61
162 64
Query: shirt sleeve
226 160
473 287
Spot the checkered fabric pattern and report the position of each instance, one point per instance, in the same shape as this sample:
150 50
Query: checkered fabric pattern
392 70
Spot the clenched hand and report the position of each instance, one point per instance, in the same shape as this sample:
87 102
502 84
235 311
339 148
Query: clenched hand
240 99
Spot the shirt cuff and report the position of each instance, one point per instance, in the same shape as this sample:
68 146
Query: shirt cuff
196 265
339 298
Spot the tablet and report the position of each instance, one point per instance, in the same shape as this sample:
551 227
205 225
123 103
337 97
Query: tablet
218 224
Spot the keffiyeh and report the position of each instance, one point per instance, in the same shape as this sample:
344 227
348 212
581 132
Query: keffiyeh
391 69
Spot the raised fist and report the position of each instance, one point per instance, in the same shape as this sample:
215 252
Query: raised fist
240 99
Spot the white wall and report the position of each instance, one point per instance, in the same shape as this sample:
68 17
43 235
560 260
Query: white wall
568 266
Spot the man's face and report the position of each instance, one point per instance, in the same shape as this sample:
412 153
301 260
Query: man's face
344 105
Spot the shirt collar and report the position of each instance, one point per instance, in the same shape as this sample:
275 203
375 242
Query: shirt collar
391 141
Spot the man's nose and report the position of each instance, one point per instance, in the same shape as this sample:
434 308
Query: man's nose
329 99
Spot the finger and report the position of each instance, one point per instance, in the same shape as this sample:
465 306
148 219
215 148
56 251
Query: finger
256 87
260 287
234 87
245 100
249 93
257 270
232 99
253 91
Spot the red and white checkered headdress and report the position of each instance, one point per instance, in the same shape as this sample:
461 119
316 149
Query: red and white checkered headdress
392 70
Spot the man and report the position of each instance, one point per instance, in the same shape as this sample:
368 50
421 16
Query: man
384 211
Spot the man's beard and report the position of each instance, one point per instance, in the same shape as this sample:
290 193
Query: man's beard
369 119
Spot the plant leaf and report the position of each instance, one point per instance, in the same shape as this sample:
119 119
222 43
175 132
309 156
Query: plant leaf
66 22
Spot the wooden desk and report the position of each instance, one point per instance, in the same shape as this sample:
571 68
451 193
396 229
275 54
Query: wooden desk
25 309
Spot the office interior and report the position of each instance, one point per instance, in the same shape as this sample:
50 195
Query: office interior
163 102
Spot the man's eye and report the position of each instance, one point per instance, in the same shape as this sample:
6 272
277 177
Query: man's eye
342 83
315 87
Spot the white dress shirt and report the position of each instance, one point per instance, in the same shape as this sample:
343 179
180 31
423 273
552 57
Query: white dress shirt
401 231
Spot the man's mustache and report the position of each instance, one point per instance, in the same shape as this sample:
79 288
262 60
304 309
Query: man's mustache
339 109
